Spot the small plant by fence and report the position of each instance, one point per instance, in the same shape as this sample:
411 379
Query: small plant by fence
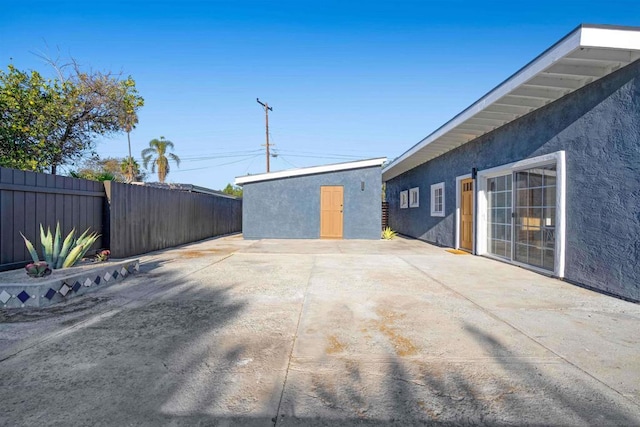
131 219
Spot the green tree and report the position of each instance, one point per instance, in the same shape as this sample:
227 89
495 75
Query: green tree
130 168
233 190
29 116
50 122
157 155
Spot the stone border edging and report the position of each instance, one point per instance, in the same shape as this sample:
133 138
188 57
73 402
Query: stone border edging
48 291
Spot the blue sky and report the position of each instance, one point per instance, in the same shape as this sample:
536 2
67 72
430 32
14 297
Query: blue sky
347 80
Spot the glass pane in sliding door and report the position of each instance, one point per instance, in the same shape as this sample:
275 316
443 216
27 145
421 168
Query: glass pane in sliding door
499 216
535 207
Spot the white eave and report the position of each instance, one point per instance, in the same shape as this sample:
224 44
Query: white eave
310 171
586 54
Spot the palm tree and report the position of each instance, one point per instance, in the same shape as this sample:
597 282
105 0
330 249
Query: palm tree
131 102
158 149
129 124
130 169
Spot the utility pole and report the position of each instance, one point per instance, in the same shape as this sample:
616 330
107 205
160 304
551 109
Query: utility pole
266 114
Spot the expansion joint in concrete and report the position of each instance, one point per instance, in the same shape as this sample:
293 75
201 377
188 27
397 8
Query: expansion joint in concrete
293 344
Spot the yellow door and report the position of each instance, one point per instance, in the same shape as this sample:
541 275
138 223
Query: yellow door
331 200
466 215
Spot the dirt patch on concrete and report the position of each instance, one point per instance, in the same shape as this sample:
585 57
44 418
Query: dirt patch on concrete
203 252
192 254
334 345
402 345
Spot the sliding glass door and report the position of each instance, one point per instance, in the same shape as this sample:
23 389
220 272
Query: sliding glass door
521 216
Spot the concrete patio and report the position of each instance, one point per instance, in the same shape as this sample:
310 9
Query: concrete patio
309 332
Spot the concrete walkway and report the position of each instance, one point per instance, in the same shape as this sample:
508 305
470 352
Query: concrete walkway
234 332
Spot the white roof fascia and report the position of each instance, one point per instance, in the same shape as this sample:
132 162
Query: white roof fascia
585 36
610 38
310 171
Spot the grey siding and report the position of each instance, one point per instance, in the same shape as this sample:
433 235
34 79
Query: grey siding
599 128
289 208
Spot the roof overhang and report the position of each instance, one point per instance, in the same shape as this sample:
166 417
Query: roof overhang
310 171
586 54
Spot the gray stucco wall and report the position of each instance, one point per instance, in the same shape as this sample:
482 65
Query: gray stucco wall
599 128
289 208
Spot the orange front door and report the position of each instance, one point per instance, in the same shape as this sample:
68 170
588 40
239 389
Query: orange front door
466 215
331 204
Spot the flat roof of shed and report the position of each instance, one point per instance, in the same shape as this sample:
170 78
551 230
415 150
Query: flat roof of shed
588 53
310 170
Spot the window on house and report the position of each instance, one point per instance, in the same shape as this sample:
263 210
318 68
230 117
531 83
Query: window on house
414 197
404 199
437 199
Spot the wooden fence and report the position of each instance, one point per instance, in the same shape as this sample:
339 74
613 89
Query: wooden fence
144 219
28 199
131 219
385 215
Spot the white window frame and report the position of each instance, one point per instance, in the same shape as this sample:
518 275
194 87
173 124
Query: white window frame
404 199
414 193
434 188
557 158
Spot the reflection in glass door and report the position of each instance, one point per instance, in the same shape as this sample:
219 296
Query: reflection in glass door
535 216
499 216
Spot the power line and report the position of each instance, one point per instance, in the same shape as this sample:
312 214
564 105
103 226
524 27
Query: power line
288 162
220 164
328 156
214 157
319 153
221 153
249 165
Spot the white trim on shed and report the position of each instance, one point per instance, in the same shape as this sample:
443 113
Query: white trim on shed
310 170
586 54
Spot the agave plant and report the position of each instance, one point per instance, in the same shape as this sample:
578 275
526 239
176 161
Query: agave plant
58 253
388 233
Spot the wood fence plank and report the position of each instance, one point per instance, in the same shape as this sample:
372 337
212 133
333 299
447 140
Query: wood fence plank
6 227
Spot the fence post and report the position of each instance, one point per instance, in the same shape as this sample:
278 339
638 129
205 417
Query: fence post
106 216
